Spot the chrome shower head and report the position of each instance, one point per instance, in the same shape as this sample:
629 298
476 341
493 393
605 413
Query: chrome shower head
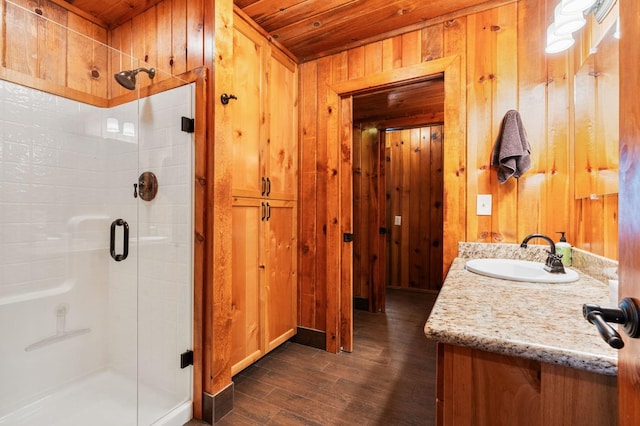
127 79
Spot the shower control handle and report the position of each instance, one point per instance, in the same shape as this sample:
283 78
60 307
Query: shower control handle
125 242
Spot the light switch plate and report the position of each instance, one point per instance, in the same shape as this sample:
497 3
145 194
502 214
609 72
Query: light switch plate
398 220
484 205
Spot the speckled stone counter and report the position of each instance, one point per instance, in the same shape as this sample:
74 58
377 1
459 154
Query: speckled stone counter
537 321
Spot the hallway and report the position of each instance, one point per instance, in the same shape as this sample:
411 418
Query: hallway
389 379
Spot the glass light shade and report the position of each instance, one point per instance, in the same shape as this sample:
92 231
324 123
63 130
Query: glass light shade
571 6
566 23
112 125
617 34
128 129
557 42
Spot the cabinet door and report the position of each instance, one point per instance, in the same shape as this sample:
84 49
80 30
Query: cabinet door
482 388
281 286
247 341
283 129
248 112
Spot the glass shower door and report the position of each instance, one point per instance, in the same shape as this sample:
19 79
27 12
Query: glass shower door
122 298
164 244
150 291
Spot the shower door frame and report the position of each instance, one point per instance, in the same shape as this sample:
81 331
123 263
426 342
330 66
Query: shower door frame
200 234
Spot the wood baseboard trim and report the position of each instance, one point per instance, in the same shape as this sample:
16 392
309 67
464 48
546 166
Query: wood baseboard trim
361 303
310 337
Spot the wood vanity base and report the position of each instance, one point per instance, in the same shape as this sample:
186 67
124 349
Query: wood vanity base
477 388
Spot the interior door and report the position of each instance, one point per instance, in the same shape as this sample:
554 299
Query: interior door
629 220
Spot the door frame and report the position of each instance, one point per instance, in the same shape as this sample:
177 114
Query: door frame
339 334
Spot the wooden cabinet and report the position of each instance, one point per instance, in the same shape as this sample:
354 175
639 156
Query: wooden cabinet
264 189
481 388
265 156
264 298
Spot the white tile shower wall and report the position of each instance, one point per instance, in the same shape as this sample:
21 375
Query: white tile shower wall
52 242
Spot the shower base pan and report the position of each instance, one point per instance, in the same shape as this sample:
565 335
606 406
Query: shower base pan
103 399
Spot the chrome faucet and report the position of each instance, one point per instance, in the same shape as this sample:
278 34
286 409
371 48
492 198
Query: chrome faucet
553 263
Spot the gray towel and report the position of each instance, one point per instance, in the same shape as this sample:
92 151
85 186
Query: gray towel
511 152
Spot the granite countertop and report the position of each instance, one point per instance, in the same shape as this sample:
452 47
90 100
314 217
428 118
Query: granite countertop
536 321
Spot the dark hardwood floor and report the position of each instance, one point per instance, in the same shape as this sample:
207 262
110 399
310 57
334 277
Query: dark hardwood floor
389 379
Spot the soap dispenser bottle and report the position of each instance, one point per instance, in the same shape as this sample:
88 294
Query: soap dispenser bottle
564 248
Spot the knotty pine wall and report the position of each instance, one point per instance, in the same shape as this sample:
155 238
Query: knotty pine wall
396 173
65 53
414 182
503 67
69 48
168 35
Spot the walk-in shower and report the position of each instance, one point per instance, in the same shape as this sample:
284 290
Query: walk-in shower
127 79
87 338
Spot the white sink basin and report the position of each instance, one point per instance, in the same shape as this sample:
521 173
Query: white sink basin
519 270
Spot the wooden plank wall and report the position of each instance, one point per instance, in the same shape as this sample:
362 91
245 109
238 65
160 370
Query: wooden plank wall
504 67
70 49
414 185
169 35
65 53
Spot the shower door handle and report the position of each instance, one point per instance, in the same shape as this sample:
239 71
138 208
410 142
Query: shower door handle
125 242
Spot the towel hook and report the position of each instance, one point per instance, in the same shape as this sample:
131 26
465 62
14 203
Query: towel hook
224 98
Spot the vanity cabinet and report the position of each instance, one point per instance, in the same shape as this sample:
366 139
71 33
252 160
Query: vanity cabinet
264 190
477 388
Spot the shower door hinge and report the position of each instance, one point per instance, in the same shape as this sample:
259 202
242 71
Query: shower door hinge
188 125
186 359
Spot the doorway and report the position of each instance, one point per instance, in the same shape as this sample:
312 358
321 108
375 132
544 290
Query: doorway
339 279
397 191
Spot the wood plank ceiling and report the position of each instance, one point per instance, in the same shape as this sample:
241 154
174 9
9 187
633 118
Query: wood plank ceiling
314 28
311 28
424 101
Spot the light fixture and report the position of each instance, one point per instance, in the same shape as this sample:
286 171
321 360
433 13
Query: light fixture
569 16
557 42
112 125
128 129
566 23
617 34
572 6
